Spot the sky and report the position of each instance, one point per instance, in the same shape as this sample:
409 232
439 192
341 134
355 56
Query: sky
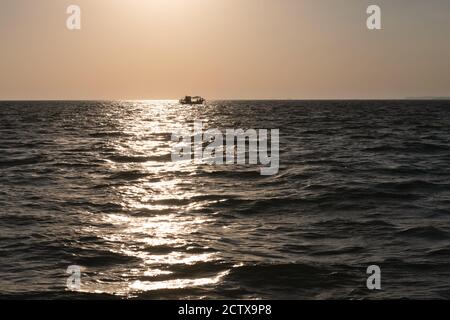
223 49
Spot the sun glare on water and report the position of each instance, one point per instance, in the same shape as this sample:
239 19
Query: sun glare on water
154 229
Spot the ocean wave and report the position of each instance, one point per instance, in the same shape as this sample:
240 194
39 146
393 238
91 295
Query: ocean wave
15 162
129 175
139 159
426 232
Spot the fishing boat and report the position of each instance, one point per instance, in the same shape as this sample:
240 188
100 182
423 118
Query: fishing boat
192 100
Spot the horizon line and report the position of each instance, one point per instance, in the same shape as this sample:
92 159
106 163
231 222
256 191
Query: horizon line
238 99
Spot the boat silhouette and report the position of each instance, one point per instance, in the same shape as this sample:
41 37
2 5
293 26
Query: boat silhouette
192 100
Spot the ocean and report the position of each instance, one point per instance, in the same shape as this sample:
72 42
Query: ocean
92 184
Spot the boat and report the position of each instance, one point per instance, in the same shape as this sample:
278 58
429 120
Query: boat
192 100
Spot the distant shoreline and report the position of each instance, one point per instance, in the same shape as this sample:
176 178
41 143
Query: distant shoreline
427 98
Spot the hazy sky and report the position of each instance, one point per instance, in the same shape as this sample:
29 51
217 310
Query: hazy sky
158 49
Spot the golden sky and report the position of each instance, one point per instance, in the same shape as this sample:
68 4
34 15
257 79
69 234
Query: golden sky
224 49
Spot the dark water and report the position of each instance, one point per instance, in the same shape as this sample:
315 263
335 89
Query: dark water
92 184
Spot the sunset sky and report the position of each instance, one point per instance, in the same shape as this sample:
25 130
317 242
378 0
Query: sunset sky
224 49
